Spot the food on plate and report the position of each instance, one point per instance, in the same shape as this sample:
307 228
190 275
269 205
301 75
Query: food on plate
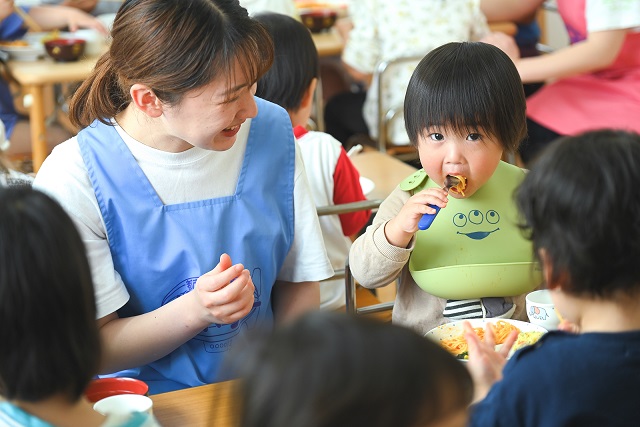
461 185
14 43
457 345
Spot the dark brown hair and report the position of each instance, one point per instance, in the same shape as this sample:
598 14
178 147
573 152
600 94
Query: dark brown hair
467 86
172 46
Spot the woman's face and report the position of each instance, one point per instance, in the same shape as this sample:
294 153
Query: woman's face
210 117
474 156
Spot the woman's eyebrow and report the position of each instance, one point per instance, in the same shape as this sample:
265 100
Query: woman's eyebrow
233 90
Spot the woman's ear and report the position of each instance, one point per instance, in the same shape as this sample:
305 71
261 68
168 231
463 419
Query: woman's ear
145 99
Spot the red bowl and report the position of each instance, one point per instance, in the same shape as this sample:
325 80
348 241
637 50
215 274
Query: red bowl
318 20
100 388
65 50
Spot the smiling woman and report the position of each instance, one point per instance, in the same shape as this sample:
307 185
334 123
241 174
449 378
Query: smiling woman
185 190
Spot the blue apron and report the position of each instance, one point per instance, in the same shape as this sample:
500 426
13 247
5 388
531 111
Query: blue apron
160 251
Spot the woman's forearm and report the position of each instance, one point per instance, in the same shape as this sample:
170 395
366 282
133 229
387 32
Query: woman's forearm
597 52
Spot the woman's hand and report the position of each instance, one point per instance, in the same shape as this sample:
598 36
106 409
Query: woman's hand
401 229
505 43
225 293
485 362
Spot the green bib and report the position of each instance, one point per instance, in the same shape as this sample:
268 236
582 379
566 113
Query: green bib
474 248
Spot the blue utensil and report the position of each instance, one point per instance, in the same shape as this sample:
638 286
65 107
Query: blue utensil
427 219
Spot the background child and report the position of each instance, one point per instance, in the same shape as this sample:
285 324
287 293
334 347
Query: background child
601 68
584 225
464 108
330 369
291 83
50 342
177 173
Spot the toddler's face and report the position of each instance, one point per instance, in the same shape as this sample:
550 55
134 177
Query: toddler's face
474 156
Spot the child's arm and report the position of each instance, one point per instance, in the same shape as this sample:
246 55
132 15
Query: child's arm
223 295
597 52
56 16
347 189
375 260
509 10
290 300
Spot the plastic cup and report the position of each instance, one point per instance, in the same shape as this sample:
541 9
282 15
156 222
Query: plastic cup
540 309
124 404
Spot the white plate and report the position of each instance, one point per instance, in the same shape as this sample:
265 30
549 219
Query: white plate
453 329
367 185
25 53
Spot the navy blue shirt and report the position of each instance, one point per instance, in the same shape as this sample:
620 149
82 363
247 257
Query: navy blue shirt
584 380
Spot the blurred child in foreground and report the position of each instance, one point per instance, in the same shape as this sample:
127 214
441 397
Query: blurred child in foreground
291 83
581 208
331 369
464 108
50 342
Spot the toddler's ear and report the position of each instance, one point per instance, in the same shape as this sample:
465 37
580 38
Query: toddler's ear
307 98
547 270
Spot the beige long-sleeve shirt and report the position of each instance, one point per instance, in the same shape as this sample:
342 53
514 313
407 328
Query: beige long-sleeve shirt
375 263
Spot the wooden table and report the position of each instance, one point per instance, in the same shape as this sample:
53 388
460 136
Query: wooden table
328 43
207 405
385 171
34 76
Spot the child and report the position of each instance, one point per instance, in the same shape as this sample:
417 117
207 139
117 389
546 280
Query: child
50 343
601 68
178 173
291 83
464 107
331 369
590 264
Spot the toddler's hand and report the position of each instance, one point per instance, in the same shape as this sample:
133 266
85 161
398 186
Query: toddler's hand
407 219
485 362
567 326
226 292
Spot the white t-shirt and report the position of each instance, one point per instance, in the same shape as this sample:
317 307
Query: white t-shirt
320 152
285 7
605 15
177 178
384 30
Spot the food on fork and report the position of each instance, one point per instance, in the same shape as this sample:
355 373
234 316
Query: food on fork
460 186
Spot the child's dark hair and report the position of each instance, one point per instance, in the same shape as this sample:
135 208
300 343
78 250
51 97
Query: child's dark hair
172 46
331 369
580 203
467 86
295 62
49 337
